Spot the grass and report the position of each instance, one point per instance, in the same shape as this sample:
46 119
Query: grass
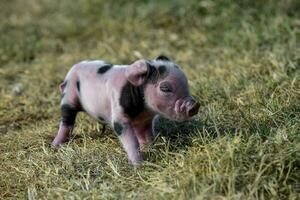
242 59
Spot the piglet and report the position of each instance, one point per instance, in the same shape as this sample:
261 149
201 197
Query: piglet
127 97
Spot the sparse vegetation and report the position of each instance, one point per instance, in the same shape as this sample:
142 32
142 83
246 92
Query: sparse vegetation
242 59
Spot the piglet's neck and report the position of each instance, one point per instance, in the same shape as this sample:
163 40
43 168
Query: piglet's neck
132 99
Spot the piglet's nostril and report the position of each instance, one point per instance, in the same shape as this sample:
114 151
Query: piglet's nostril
194 110
192 101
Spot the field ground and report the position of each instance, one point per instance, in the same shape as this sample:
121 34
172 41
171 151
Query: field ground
242 59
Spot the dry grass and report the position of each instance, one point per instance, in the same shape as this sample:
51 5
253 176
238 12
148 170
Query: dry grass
242 60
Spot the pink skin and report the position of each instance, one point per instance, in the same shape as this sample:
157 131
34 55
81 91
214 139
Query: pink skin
63 134
100 93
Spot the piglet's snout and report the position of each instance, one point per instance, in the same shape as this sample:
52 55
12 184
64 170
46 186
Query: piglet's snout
187 107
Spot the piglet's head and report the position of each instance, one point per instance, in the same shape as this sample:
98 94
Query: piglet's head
165 88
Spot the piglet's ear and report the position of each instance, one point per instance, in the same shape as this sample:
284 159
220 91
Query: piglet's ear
137 72
162 57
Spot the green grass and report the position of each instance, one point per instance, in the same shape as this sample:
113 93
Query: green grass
242 59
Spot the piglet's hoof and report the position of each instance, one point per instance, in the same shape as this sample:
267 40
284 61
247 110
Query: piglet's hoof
59 141
137 163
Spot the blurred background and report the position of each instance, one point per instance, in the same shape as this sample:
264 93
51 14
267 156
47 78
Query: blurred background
124 30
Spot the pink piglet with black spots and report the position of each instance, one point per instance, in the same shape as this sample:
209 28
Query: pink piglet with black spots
127 97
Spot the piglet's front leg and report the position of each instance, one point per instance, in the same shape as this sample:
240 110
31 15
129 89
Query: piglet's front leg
129 141
144 134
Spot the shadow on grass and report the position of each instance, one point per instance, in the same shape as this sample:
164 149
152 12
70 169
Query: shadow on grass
181 135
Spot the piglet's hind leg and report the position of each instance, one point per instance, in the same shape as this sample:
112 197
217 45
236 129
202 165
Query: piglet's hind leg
67 124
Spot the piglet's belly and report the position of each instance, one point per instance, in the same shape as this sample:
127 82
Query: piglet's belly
95 101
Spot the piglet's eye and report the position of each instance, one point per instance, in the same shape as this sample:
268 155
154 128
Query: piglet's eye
165 87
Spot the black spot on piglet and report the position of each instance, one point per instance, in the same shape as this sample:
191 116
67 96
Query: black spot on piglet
78 86
155 73
101 119
162 69
132 99
118 128
104 68
68 114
